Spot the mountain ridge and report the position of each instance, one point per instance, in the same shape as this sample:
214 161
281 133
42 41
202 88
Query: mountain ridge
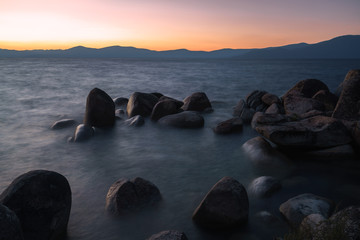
346 46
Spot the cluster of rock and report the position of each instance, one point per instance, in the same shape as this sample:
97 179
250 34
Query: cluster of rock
101 112
308 118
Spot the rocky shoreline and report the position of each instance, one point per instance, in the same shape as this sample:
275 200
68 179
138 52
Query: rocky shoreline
307 121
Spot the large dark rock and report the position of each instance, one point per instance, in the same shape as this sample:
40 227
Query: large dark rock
178 103
164 108
348 220
63 123
327 98
10 228
187 119
264 186
83 133
297 208
141 104
196 102
299 99
226 205
126 195
169 235
42 201
348 106
315 132
100 109
229 126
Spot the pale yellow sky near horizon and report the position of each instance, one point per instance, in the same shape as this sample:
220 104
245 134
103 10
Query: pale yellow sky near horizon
163 24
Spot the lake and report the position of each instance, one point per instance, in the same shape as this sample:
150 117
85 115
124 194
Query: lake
184 164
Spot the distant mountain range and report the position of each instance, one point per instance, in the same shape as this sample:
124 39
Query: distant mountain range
347 46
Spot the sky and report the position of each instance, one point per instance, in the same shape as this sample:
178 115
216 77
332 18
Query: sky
173 24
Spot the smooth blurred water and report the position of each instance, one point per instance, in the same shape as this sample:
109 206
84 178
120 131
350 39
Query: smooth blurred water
184 164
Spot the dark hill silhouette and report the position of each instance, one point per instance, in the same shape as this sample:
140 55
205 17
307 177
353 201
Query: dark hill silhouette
340 47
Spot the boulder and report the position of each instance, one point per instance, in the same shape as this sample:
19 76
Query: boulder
348 220
169 235
348 106
253 100
264 186
270 99
10 228
299 99
42 201
187 119
297 208
63 123
82 133
260 119
156 94
164 108
100 109
121 101
229 126
226 205
315 132
311 113
141 104
327 98
126 195
238 109
135 121
196 102
262 154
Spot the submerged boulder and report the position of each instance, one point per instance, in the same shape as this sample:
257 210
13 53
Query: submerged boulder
264 186
297 208
226 205
83 133
186 119
126 195
10 227
229 126
42 201
169 235
348 106
100 109
196 102
141 104
63 123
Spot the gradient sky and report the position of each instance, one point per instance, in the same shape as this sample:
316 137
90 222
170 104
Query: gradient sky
173 24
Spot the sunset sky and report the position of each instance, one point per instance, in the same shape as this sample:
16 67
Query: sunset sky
173 24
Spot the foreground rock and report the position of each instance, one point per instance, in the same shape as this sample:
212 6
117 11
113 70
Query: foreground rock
141 104
229 126
348 106
226 205
164 108
83 133
42 201
63 123
169 235
298 99
196 102
314 132
125 196
100 109
264 186
186 119
297 208
10 228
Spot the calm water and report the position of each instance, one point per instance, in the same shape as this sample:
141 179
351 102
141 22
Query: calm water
184 164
